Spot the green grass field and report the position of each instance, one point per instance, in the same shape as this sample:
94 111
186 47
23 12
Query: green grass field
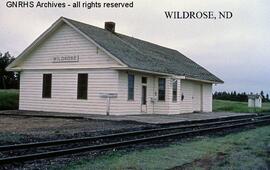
233 106
9 99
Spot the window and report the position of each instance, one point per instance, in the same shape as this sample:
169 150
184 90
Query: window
47 86
130 87
144 80
82 86
174 91
161 89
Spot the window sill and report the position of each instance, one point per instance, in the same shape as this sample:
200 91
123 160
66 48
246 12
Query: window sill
161 101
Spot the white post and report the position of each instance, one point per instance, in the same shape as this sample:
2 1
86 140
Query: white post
108 96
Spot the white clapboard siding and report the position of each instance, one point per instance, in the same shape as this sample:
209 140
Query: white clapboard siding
64 90
64 93
174 105
162 107
133 106
198 96
65 41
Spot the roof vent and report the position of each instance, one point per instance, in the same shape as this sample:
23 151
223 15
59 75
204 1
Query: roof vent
110 26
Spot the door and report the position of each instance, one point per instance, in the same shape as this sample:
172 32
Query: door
144 96
197 97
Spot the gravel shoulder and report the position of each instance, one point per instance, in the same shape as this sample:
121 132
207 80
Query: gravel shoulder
21 129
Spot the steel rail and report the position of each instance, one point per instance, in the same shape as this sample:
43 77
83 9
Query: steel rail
123 134
35 156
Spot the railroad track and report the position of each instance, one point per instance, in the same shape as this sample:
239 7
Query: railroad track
40 150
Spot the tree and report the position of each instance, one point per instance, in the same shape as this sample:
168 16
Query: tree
7 79
235 96
263 97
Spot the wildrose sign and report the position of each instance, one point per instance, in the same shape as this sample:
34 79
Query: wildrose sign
64 59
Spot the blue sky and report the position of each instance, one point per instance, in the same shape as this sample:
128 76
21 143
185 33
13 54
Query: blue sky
236 50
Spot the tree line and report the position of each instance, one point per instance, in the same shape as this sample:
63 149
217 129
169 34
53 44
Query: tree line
241 97
8 79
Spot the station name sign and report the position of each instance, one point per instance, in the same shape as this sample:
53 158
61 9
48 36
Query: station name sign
66 59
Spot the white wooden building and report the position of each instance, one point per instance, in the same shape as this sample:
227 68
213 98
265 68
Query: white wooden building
255 100
72 64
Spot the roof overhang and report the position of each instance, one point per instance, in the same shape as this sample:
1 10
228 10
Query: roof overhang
166 74
16 69
148 72
205 81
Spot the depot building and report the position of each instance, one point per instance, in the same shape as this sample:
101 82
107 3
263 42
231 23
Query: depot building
74 67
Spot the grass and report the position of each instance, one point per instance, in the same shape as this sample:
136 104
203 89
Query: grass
233 106
240 150
9 99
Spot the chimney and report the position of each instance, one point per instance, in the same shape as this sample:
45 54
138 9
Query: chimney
110 26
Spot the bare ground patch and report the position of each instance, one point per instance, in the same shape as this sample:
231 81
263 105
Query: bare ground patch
204 163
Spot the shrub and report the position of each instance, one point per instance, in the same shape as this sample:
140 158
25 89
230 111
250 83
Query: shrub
9 99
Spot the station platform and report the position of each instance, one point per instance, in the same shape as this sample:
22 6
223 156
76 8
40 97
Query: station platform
141 118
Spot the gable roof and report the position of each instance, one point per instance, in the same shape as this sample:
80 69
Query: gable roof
142 55
139 54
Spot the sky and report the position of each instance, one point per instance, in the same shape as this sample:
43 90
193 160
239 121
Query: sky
236 50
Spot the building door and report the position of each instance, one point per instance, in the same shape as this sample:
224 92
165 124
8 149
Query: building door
197 97
144 102
144 95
